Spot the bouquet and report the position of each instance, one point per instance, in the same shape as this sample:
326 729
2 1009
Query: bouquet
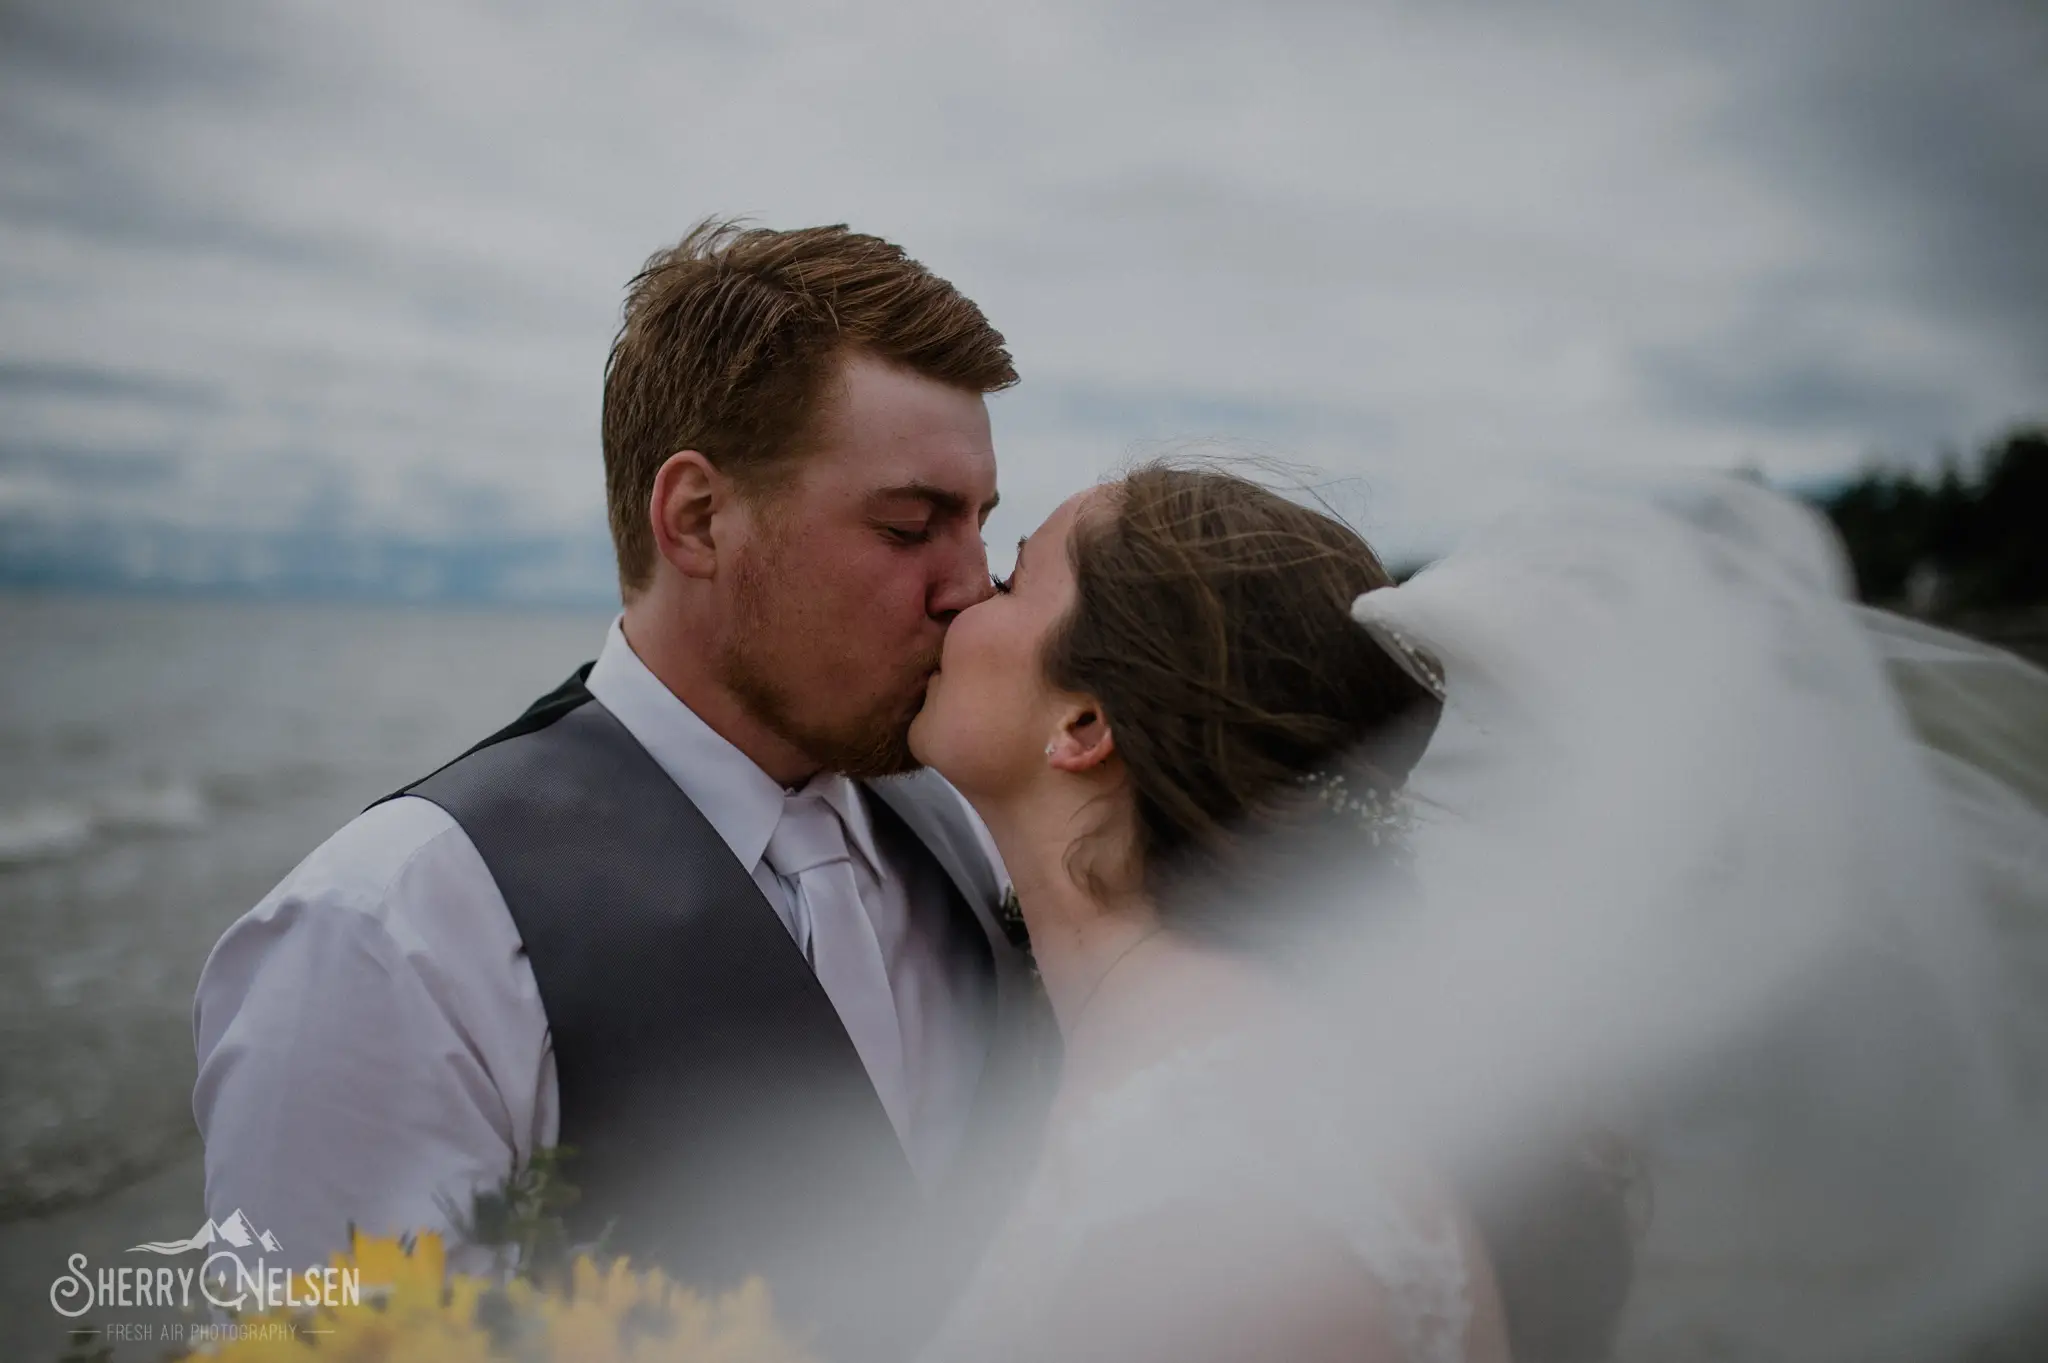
547 1300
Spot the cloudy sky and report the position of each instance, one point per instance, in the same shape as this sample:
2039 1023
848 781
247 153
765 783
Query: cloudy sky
357 265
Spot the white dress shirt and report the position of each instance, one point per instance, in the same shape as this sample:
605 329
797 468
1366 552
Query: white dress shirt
371 1041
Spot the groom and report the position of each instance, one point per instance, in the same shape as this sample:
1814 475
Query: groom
688 916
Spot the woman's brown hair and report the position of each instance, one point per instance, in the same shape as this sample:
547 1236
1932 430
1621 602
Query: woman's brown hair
1212 624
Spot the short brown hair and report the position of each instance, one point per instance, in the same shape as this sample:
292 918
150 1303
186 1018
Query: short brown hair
729 337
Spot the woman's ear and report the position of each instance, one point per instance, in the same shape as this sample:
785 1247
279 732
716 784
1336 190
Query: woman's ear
1083 741
688 492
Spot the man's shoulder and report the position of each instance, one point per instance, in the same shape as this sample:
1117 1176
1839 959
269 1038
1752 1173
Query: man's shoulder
394 863
372 854
398 890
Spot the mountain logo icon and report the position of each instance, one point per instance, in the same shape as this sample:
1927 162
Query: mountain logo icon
236 1230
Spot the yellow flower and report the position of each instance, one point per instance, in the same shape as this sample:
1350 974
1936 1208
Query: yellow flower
413 1311
391 1268
615 1313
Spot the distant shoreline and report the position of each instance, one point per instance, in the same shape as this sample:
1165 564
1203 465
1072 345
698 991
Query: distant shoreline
2018 630
232 596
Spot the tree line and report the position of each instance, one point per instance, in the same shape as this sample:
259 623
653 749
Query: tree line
1970 537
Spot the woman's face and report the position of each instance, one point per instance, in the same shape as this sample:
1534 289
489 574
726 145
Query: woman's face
988 712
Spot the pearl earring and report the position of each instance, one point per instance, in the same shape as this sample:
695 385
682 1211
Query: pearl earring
1049 748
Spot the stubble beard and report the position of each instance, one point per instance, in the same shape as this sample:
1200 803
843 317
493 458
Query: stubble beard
874 744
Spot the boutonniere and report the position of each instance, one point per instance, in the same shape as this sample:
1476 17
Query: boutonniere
1043 1063
1010 914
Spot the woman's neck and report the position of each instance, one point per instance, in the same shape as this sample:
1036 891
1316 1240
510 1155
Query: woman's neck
1076 933
1124 988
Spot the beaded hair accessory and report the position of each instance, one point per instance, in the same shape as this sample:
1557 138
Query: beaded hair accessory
1383 816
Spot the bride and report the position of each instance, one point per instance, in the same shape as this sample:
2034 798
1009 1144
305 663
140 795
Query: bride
1363 908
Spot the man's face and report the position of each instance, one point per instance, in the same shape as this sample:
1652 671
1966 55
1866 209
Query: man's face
846 578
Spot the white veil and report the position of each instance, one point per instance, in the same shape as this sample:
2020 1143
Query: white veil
1707 851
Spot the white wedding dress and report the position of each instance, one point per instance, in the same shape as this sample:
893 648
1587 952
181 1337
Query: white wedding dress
1234 1118
1707 853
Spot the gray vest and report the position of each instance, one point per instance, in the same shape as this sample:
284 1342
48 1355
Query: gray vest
721 1121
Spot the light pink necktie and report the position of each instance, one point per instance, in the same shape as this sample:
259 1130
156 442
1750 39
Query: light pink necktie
809 847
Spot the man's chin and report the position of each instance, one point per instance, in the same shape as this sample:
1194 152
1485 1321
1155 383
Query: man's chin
902 747
895 760
874 746
900 744
881 748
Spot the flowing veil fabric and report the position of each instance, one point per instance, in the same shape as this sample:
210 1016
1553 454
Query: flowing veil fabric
1710 854
1702 853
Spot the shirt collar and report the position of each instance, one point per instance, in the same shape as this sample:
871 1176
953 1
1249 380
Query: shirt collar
844 795
742 803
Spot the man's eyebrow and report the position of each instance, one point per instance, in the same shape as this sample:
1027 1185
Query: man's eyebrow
939 499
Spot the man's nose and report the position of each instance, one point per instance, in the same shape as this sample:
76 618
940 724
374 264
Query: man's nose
965 582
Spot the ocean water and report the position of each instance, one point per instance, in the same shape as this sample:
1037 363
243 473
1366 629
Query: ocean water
162 764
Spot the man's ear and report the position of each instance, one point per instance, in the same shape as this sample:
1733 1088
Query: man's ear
688 492
1083 742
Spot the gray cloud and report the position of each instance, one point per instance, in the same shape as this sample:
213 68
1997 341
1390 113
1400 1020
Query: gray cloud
365 261
1922 132
1138 413
136 52
91 470
1803 392
56 379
